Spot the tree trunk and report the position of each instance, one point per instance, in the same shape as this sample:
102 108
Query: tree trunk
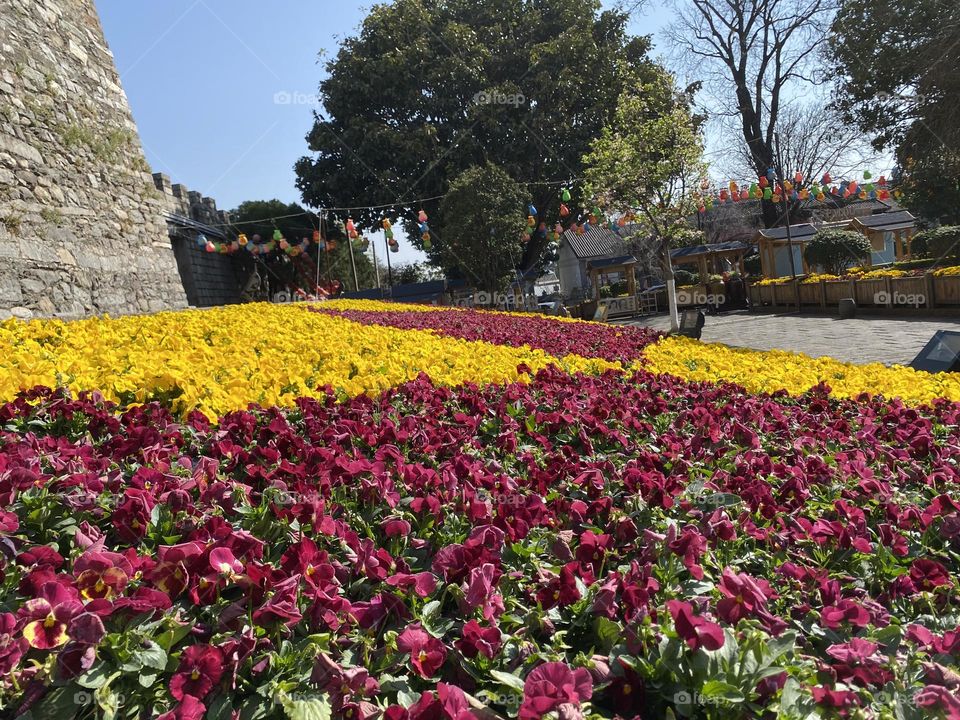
668 279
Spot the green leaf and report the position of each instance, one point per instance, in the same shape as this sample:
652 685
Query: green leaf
789 696
61 703
219 708
306 708
717 690
608 632
508 679
152 656
172 636
775 647
108 701
95 677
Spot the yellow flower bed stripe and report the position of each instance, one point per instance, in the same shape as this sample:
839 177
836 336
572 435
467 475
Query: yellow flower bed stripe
769 371
221 359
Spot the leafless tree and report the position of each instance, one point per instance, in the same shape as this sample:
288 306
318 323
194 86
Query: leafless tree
747 53
813 139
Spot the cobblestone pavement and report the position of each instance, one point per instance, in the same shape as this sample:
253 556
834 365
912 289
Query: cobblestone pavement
889 340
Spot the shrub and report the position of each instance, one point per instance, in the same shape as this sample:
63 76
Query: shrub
685 277
918 246
836 250
940 242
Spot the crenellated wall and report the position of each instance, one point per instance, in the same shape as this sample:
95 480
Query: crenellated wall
81 226
208 278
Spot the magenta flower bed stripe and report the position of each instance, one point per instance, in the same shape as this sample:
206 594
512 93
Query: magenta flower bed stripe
552 336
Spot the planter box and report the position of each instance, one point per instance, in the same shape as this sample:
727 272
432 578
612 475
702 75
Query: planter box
946 290
926 291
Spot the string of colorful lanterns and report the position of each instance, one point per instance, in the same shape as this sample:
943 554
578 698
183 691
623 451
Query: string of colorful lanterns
256 246
594 218
767 187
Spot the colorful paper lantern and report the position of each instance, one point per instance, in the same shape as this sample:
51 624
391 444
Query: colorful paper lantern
532 210
422 216
764 182
564 210
565 195
242 240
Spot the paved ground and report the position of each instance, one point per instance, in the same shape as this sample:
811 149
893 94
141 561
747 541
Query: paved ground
862 340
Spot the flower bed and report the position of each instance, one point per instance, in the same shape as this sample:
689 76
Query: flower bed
600 545
400 547
608 342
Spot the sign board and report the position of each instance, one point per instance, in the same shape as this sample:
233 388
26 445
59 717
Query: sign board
601 314
941 354
619 305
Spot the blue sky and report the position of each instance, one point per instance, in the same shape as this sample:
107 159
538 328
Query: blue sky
222 90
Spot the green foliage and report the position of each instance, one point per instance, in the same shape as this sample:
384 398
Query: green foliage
836 250
898 65
106 145
918 249
12 222
50 215
257 217
425 91
685 277
414 273
485 243
649 160
687 237
752 265
940 242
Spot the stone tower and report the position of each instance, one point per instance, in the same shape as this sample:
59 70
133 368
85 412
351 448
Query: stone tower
81 226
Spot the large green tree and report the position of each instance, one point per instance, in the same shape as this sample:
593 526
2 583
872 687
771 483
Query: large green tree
898 69
486 241
262 217
430 88
649 162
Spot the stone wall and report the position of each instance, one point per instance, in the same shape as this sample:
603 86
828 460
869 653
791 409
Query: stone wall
81 229
208 278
